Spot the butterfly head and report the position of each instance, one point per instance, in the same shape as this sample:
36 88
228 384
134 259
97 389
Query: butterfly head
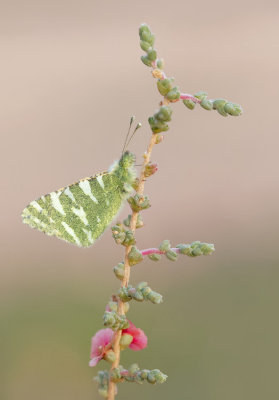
127 160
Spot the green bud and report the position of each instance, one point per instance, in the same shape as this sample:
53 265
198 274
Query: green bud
117 228
159 376
189 104
129 238
184 249
138 202
155 298
201 95
206 104
145 45
146 34
173 95
164 114
164 85
110 356
138 296
154 257
115 375
151 378
219 105
127 221
144 373
125 340
109 318
160 63
196 249
157 126
150 169
171 255
207 248
124 295
146 61
134 256
144 29
146 291
165 245
139 223
196 252
152 54
115 321
118 233
233 109
119 271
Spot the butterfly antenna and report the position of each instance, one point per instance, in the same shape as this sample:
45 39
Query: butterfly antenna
131 122
136 128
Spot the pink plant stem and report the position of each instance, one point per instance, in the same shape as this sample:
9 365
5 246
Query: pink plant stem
185 96
147 252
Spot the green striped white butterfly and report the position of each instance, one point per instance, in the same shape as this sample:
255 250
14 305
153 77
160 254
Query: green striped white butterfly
79 213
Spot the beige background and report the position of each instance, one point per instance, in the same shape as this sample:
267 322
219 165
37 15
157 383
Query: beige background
71 77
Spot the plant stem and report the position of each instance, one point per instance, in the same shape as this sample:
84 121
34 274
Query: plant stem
185 96
125 281
147 252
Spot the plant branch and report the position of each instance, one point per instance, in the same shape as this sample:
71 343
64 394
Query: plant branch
125 281
185 96
147 252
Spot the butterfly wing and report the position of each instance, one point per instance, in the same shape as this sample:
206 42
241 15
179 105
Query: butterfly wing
78 213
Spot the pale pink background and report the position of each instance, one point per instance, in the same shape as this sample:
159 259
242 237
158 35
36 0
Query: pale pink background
71 77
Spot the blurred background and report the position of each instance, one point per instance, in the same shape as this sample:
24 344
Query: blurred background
71 77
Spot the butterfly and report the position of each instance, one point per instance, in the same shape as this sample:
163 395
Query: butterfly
80 213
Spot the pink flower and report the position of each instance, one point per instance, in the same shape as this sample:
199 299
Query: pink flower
139 341
100 343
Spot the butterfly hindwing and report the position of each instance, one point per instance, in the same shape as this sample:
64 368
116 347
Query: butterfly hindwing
78 213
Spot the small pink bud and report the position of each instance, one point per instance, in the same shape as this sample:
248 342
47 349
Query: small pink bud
150 169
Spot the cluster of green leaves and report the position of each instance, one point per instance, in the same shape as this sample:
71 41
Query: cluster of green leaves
194 249
158 122
223 106
135 374
115 321
147 40
140 293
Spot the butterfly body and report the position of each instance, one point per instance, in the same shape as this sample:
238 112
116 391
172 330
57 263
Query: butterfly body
79 213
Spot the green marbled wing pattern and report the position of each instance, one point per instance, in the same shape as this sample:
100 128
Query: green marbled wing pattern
78 213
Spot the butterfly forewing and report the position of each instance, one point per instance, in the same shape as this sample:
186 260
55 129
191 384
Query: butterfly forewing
78 213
